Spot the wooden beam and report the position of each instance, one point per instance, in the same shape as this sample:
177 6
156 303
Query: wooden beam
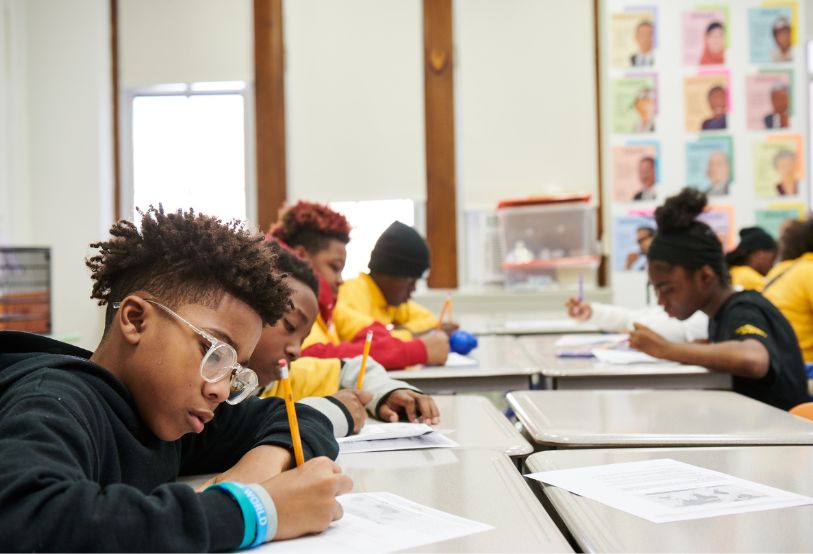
114 81
269 101
602 268
441 203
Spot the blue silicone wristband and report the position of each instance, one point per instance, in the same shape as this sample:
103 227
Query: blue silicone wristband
249 514
270 510
259 511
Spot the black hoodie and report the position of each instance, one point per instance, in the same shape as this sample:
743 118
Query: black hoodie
81 471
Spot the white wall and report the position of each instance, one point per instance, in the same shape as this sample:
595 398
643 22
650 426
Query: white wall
14 194
525 93
69 146
354 99
185 41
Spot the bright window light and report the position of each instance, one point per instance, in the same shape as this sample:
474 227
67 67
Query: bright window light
189 152
368 220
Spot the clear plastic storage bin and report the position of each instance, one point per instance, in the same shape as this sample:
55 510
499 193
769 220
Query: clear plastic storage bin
549 241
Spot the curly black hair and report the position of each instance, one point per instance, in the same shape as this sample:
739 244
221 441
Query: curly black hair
679 212
292 265
186 257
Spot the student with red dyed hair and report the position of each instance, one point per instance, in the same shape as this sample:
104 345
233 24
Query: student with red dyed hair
320 235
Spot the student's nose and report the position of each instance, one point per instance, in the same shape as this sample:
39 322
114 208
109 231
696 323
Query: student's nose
218 392
293 350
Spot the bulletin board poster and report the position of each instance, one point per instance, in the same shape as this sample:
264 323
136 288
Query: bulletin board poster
705 35
773 32
627 229
778 166
633 37
775 215
710 165
767 97
720 218
636 172
706 101
635 103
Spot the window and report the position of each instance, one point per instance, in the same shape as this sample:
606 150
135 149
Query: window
368 219
187 148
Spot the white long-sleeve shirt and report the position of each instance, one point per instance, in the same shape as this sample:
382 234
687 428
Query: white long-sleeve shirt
618 318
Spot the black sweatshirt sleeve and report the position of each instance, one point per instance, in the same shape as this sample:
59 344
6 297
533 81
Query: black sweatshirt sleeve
52 497
237 429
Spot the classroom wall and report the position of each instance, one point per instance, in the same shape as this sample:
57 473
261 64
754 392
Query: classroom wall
185 41
65 127
526 99
14 196
354 99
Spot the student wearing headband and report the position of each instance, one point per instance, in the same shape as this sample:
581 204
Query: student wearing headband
753 258
749 337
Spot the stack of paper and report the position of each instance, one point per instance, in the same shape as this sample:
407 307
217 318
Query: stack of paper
379 437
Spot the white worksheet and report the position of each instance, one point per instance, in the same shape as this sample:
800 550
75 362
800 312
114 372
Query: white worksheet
383 431
624 356
590 339
429 440
665 490
381 522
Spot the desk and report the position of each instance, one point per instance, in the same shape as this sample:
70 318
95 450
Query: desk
588 373
482 485
478 424
599 528
503 365
523 323
613 419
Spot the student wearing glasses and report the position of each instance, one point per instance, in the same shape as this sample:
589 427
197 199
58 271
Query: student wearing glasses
93 442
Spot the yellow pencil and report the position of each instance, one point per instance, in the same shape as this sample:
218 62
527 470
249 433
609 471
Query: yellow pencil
367 342
447 307
299 456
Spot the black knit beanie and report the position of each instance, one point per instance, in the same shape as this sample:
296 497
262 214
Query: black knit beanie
755 238
400 251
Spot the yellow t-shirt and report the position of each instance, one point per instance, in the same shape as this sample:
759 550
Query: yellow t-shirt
747 278
310 377
361 302
792 293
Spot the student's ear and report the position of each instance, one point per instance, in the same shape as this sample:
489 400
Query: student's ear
707 276
130 318
300 252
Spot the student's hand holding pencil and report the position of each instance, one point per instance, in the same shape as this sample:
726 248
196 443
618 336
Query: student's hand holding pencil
437 347
579 309
305 497
355 402
649 342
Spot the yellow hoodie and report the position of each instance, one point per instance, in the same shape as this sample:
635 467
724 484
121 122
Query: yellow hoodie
791 290
361 302
746 277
